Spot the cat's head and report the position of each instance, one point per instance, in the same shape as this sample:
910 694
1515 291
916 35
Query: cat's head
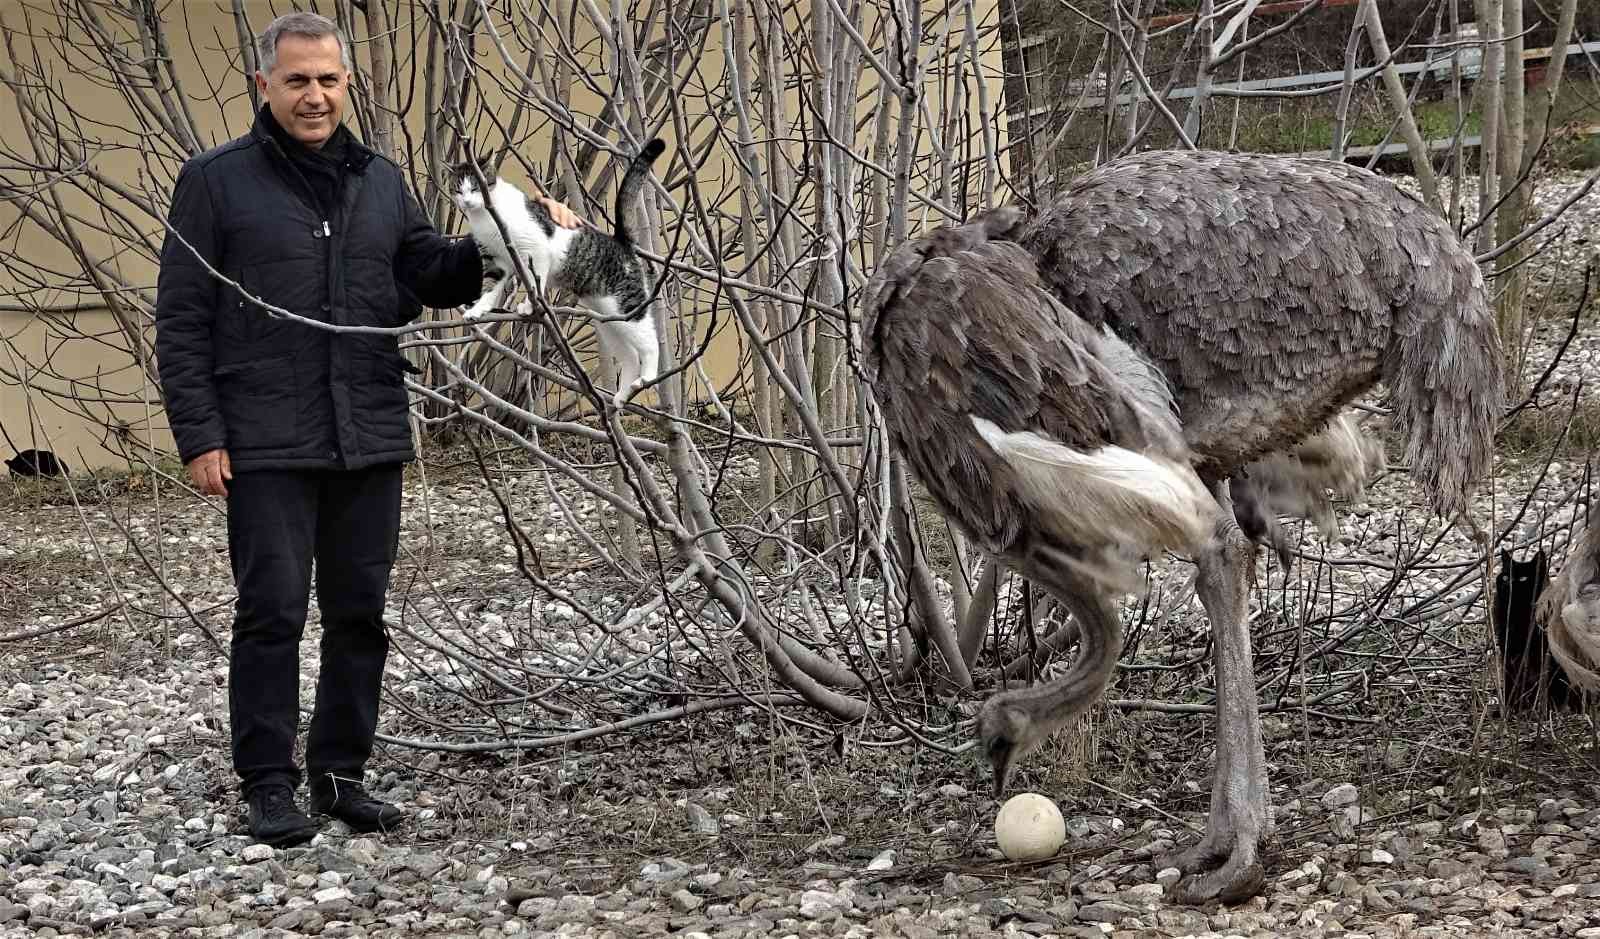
1525 577
463 185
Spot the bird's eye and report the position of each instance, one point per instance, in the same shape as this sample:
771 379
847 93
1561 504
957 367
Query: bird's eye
998 746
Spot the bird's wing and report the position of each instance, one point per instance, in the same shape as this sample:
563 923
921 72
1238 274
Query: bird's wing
994 393
1247 279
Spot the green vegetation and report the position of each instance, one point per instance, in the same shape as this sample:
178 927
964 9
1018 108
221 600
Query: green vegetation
1311 129
1300 127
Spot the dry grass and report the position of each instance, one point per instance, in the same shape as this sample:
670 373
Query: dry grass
1559 430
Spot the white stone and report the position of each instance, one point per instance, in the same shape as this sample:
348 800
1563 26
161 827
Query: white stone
1491 840
815 904
256 853
1340 796
331 895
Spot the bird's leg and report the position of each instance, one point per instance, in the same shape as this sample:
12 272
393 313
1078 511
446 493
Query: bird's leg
1225 864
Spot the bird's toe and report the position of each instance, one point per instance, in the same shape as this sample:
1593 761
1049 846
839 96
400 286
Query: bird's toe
1217 873
1228 885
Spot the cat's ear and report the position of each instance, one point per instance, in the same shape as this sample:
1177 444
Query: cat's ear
1505 558
483 160
500 160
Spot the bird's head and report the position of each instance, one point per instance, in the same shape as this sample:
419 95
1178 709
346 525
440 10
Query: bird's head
1006 733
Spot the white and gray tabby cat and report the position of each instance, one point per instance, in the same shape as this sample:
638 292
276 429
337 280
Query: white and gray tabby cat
602 270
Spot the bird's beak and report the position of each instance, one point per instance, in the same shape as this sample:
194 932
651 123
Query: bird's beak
1002 757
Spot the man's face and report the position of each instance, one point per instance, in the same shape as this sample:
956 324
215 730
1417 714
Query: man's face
305 89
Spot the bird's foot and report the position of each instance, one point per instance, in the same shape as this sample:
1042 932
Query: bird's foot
1223 868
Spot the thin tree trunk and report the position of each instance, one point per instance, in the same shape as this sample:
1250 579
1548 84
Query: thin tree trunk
1421 158
1491 16
1514 214
380 66
1341 116
1202 79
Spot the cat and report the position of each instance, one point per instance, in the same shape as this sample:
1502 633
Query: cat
36 463
602 270
1527 667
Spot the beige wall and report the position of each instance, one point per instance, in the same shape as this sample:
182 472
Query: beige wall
63 388
50 357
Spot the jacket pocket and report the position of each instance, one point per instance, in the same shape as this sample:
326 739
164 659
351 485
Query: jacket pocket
247 314
258 403
253 325
389 371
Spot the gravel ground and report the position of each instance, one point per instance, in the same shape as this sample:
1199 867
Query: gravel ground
1417 813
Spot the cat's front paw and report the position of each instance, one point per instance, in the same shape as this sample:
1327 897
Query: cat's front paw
474 313
524 308
625 393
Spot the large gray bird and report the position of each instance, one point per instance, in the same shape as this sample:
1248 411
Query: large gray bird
1063 386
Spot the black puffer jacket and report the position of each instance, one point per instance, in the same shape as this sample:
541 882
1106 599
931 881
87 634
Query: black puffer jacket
278 394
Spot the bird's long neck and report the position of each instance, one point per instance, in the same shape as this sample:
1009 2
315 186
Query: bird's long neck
1052 705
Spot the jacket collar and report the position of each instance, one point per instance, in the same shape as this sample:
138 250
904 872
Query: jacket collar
357 156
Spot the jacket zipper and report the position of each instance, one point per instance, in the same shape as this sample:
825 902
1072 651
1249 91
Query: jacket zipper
325 234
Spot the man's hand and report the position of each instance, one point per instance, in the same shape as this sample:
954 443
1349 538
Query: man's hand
209 471
559 213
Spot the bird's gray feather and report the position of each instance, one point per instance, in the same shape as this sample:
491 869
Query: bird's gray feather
1272 290
957 326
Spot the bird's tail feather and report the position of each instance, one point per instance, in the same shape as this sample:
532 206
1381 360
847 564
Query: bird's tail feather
1444 373
1112 500
1570 610
1339 457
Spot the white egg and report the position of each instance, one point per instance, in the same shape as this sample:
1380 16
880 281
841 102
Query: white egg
1029 827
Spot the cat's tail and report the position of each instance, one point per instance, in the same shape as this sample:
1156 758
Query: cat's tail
631 181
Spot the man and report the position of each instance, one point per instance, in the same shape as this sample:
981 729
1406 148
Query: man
304 431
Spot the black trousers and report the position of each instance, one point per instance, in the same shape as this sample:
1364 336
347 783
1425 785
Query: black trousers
278 521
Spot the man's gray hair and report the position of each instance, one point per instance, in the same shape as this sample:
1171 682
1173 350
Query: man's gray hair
309 25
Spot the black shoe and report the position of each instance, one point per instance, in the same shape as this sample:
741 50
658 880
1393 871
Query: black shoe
275 819
349 802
